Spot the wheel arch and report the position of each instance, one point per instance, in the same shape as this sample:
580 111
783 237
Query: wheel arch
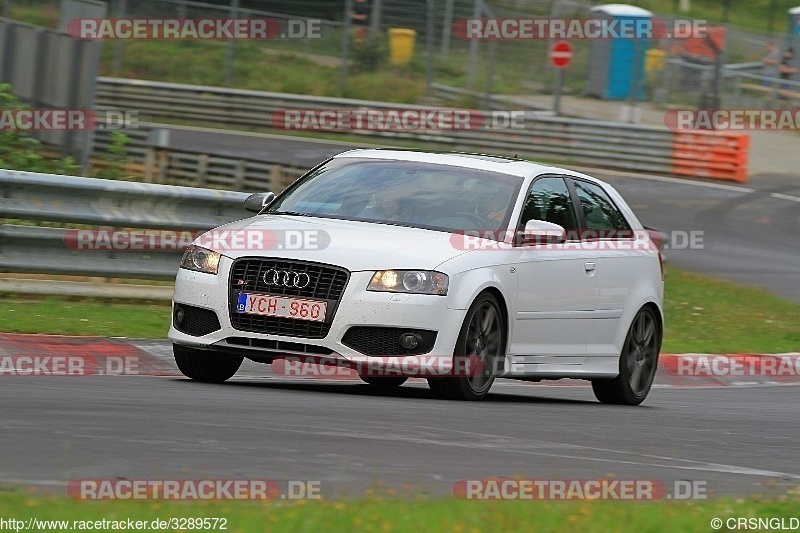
632 307
501 301
656 309
659 317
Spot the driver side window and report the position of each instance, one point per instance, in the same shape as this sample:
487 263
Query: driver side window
549 200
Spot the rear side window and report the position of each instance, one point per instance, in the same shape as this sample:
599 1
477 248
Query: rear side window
603 219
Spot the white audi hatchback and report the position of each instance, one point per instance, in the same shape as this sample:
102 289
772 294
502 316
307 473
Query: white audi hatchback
458 268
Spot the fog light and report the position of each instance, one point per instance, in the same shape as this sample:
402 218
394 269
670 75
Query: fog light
409 341
178 316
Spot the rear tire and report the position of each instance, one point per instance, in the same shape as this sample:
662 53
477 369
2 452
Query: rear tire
384 383
479 348
637 363
205 365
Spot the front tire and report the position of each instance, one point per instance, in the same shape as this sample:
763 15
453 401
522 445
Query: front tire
637 363
384 383
480 347
204 365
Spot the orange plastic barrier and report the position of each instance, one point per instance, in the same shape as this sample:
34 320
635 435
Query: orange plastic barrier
708 154
699 47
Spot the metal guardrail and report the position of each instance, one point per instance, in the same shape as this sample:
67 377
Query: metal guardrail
56 198
699 154
218 106
578 141
609 144
106 203
36 250
492 101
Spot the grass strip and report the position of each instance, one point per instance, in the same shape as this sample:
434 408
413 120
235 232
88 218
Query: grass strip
703 315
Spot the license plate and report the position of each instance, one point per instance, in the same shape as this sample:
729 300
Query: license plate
282 306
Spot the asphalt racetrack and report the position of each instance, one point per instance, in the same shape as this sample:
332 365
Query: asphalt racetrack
733 440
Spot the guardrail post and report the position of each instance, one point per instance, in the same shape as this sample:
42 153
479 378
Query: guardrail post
163 166
737 91
156 155
149 164
276 181
238 176
202 170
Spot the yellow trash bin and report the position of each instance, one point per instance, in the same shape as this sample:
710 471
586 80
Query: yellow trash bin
654 61
401 45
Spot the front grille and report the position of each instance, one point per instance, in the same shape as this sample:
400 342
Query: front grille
326 283
196 321
377 340
279 346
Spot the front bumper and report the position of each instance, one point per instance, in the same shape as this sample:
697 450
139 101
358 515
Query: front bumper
358 307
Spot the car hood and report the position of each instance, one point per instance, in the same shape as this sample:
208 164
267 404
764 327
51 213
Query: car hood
350 244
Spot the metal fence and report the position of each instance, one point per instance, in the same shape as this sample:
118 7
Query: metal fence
482 67
742 86
92 202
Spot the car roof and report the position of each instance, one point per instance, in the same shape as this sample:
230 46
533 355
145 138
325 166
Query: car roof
514 167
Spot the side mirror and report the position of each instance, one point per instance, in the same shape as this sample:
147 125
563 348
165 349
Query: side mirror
256 203
541 232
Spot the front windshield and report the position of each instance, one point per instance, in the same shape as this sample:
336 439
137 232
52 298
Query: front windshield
406 193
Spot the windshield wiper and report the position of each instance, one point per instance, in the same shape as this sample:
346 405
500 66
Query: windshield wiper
293 213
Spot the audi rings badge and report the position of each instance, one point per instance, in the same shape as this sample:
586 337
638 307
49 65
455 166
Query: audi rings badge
286 278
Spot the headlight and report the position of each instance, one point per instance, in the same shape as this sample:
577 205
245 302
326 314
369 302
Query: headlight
409 281
200 259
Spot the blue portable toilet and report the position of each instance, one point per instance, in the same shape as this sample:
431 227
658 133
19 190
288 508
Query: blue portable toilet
616 65
794 29
794 21
793 40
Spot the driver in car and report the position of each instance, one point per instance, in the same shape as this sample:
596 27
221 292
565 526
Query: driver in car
493 207
387 207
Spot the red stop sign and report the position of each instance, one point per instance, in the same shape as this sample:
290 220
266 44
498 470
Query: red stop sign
560 54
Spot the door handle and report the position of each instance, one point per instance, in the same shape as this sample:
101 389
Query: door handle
589 266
